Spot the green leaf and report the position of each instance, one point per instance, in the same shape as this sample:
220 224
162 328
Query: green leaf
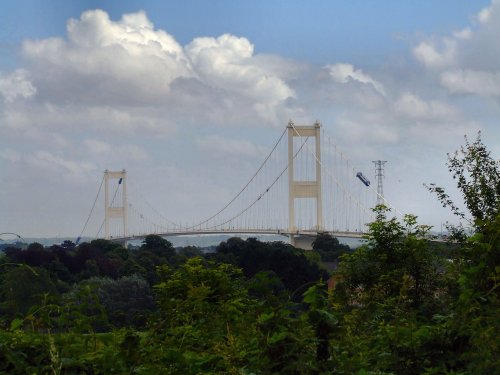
16 324
277 337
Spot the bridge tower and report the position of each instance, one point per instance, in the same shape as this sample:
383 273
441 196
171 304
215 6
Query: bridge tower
298 189
112 210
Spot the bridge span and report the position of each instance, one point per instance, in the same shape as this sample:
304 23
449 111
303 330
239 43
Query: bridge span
299 238
303 187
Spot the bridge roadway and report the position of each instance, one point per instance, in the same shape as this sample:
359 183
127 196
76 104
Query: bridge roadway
287 233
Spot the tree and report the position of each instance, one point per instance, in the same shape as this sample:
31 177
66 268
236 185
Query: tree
68 245
288 263
474 325
478 179
24 287
158 246
127 301
329 247
387 294
203 316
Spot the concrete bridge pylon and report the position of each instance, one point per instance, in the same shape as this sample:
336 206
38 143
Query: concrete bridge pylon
112 209
298 189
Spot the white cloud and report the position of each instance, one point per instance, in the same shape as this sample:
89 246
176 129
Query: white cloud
472 82
70 170
465 33
343 73
468 61
125 61
226 63
127 71
415 107
16 84
484 15
433 55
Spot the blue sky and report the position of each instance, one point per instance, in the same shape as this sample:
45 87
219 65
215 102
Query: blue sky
166 90
351 30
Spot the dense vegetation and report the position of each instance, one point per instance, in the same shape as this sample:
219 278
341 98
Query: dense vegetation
398 305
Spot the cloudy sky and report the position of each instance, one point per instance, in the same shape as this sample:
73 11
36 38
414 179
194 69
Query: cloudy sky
189 96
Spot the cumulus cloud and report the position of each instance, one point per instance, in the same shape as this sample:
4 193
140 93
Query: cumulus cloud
16 84
103 61
436 54
225 62
415 107
468 61
404 117
128 71
344 73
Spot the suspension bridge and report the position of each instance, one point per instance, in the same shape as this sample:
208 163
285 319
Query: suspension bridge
304 186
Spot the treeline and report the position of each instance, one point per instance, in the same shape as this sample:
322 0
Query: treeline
399 304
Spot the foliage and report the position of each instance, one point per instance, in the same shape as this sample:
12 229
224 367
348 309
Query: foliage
329 247
387 291
289 264
158 246
478 179
202 308
127 301
23 287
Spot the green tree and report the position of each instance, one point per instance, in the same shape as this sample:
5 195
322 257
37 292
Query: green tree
158 246
478 179
127 301
473 327
23 287
288 263
329 247
202 318
386 292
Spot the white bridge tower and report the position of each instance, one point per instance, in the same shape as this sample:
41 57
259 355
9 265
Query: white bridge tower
112 209
311 188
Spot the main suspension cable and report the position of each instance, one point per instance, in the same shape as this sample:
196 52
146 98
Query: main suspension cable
261 194
90 213
244 187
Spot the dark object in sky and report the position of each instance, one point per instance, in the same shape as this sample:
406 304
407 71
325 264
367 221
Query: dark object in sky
363 179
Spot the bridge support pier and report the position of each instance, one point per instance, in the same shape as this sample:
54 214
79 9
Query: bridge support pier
301 241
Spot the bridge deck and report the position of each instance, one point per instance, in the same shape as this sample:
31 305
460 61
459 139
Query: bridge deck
240 231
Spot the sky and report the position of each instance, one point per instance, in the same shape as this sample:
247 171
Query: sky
189 96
